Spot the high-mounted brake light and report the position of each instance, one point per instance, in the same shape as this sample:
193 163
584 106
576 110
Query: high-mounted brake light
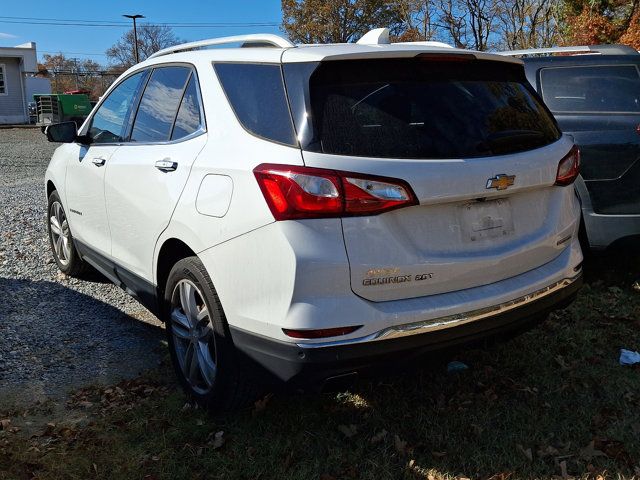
295 192
569 167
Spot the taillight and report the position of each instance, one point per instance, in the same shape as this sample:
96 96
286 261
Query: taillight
294 192
569 167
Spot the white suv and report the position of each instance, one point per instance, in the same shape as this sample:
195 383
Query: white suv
315 211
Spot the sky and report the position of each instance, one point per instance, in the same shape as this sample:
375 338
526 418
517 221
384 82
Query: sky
18 18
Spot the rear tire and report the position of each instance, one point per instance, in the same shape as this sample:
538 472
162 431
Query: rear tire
211 370
60 238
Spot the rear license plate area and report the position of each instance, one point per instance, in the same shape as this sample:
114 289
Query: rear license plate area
486 219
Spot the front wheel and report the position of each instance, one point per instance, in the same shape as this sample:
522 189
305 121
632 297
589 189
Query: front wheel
211 371
60 238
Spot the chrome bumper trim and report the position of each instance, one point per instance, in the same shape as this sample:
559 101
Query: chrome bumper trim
448 321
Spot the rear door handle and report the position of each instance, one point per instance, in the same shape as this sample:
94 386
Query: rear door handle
166 165
98 162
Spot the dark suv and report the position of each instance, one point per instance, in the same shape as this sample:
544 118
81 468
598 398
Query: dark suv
594 93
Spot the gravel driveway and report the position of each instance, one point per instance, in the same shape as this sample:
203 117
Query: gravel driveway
56 333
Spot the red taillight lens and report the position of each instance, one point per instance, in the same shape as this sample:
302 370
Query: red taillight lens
294 192
320 333
569 167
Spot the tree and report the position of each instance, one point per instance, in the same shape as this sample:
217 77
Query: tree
337 21
73 74
600 21
528 23
151 38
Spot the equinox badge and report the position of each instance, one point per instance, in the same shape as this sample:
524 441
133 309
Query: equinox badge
501 181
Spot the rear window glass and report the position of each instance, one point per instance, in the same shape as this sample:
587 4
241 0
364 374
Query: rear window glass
417 108
256 94
159 104
614 88
188 120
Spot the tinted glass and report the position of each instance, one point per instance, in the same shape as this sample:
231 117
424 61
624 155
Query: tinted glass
257 96
110 121
415 108
188 119
159 104
613 88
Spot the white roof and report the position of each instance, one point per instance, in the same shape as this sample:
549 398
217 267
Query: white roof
274 49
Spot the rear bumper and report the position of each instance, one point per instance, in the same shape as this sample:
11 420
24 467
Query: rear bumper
315 363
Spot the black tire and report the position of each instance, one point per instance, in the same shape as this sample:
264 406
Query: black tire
235 383
62 246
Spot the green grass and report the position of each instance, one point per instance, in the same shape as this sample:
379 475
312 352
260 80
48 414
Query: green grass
552 402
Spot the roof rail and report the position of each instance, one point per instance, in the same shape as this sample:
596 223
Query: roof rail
576 50
252 40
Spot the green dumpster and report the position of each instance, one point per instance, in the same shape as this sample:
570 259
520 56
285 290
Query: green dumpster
56 108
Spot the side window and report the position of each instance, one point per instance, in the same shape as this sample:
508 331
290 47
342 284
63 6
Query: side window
256 94
3 85
159 104
189 117
614 88
109 123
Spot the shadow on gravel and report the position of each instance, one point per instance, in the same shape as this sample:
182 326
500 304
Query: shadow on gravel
53 339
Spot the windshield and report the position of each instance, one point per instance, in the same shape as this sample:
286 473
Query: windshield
417 108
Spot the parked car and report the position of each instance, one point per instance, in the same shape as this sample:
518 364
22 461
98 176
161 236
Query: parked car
310 212
594 93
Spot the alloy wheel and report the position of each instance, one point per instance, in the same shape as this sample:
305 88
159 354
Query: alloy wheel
193 336
60 233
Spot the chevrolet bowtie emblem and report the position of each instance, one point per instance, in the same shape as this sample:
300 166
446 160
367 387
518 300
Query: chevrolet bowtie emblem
501 181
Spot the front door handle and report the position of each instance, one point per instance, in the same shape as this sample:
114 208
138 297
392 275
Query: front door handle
166 165
98 162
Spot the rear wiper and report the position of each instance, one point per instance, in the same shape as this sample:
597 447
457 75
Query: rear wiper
506 140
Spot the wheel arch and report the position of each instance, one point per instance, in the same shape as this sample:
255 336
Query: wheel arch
172 251
50 188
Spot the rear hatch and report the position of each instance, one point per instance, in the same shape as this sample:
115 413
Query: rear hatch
599 105
475 144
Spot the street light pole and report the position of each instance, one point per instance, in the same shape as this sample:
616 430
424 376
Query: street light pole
135 35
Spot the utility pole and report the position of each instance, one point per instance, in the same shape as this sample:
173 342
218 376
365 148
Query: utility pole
75 62
135 35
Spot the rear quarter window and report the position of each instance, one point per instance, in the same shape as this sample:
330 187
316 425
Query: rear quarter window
591 89
256 94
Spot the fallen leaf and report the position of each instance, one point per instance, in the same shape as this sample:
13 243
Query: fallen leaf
4 424
589 452
401 446
261 405
218 440
348 430
563 469
378 437
526 452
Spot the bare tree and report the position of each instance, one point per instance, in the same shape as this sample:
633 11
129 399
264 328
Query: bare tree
151 38
528 23
419 18
337 21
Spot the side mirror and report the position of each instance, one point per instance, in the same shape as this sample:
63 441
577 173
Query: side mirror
65 132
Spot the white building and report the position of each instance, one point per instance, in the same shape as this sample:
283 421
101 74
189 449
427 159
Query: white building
18 83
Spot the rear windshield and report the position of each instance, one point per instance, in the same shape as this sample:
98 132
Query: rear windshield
417 108
592 89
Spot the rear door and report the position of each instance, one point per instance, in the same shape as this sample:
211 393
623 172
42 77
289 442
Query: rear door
600 106
146 176
477 147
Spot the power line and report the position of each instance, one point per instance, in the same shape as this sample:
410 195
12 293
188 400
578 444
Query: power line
107 23
73 53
